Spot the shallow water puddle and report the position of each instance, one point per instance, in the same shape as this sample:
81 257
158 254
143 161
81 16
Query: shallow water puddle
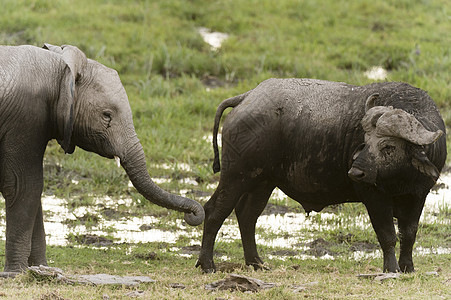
213 38
123 230
376 73
288 230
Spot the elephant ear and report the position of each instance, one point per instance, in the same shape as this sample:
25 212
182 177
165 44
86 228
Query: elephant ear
75 63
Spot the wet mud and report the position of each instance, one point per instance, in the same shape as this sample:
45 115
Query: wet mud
282 231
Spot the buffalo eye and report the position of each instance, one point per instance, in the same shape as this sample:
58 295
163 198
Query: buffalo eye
388 150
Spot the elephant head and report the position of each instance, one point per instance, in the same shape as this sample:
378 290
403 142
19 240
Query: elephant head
96 116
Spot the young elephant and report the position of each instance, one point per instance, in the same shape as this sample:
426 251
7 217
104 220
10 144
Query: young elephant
326 143
57 93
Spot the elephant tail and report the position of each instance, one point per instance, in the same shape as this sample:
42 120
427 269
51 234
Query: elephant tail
230 102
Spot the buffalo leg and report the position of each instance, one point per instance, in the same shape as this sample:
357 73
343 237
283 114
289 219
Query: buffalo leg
408 211
217 209
247 211
381 215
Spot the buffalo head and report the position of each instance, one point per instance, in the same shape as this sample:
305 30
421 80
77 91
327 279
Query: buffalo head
394 144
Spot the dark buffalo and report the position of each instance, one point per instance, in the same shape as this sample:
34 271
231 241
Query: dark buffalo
325 143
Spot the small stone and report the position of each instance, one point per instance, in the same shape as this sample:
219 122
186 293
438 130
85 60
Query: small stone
239 282
177 286
386 276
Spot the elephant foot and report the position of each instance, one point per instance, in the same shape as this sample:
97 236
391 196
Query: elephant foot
9 274
206 268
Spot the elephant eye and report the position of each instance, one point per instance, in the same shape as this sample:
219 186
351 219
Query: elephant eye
77 79
106 115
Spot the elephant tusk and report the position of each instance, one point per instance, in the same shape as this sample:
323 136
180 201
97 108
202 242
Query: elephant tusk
118 161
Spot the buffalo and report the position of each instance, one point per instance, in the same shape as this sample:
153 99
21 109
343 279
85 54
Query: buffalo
325 143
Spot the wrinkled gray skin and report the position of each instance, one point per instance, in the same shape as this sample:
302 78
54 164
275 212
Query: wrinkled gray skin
57 93
326 143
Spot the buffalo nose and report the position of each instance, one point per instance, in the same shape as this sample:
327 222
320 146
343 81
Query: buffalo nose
356 174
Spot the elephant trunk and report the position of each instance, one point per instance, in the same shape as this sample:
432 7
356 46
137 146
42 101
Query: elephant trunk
135 165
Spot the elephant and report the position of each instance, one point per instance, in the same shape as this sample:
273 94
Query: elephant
58 93
324 143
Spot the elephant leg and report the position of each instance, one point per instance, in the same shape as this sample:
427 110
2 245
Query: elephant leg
21 215
38 244
381 215
408 211
217 209
248 210
22 183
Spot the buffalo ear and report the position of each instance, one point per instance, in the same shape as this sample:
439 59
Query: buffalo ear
371 101
371 117
75 62
422 163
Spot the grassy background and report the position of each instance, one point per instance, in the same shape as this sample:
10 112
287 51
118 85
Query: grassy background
163 63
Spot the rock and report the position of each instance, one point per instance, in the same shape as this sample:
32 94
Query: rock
102 279
42 273
177 286
49 273
239 282
386 276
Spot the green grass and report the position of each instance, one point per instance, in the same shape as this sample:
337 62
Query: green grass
162 61
161 261
332 279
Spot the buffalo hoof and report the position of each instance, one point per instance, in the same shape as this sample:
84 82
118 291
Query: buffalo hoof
392 269
407 268
206 270
258 264
260 267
